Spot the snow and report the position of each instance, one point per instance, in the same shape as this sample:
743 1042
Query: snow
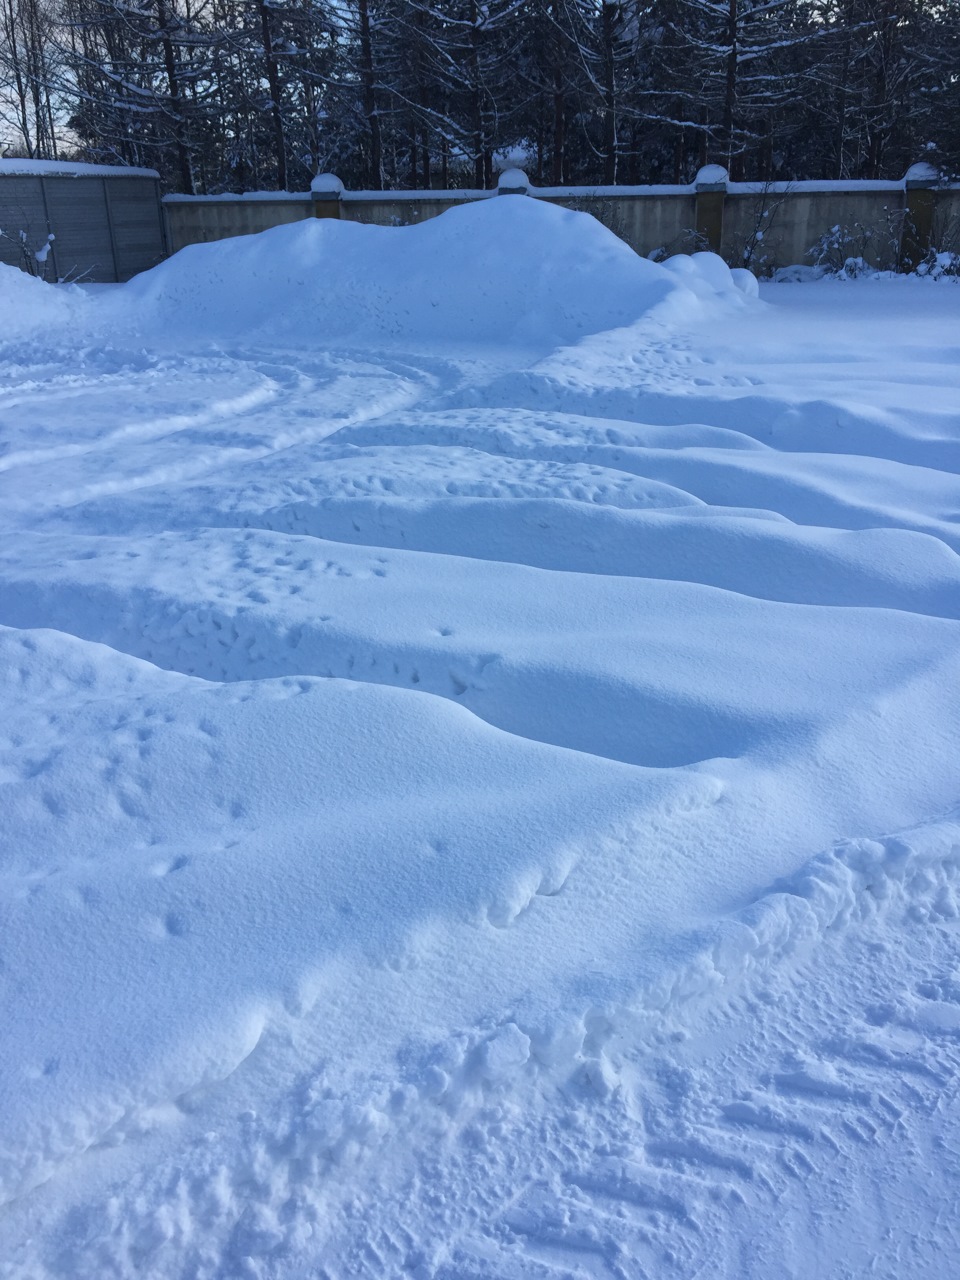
343 283
478 763
327 182
922 173
824 186
30 304
845 186
513 181
711 175
70 169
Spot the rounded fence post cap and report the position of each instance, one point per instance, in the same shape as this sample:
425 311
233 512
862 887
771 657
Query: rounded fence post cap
326 184
513 182
711 175
922 173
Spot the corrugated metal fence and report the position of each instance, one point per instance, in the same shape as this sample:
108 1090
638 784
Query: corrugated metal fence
106 223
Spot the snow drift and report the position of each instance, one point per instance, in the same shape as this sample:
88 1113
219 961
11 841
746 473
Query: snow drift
30 304
502 271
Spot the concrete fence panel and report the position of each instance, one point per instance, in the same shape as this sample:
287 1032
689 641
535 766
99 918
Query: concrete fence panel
387 211
889 225
77 212
202 219
647 222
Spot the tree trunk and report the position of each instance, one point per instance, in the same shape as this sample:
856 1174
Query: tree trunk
607 24
479 148
414 156
176 102
559 126
273 80
425 160
370 98
11 34
730 86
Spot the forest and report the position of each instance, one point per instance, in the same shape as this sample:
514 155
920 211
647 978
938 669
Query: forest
240 95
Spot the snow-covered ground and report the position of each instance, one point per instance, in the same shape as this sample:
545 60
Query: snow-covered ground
479 788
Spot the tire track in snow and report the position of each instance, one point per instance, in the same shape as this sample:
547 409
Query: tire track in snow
715 1133
219 411
286 404
609 666
559 698
841 1073
529 489
838 490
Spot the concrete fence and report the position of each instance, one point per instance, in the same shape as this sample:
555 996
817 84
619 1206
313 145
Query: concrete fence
80 221
890 225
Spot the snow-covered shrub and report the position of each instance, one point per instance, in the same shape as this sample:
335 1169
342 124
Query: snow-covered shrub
849 251
936 265
944 260
35 261
750 249
689 240
797 273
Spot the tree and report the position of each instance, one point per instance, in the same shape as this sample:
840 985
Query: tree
27 62
228 94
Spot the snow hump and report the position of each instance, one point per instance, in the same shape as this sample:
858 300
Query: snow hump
495 271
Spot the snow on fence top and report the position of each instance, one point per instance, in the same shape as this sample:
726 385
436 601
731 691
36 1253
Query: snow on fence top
61 169
515 180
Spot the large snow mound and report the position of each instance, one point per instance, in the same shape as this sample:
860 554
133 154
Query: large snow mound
498 271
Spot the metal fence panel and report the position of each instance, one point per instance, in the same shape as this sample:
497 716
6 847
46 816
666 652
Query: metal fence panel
77 209
105 228
137 220
23 219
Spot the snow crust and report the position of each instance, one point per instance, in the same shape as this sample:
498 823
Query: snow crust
478 764
711 174
513 180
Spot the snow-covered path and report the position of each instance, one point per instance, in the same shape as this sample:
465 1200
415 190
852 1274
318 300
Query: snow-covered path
479 767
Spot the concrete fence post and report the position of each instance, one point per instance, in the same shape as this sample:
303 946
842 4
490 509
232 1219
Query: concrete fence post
916 233
710 185
326 192
513 182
